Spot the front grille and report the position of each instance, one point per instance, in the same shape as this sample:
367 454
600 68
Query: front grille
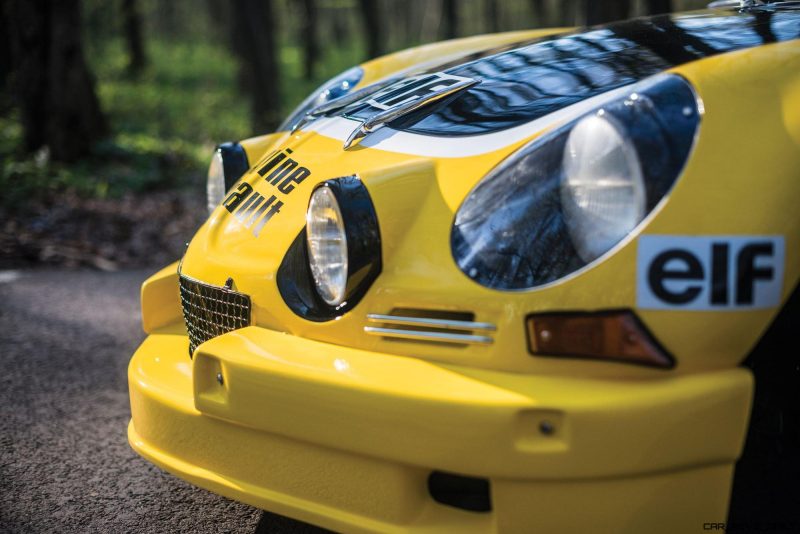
210 311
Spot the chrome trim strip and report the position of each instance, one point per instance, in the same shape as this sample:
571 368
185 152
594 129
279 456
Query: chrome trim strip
379 120
447 324
420 335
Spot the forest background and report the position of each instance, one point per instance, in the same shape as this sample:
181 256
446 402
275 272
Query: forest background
110 109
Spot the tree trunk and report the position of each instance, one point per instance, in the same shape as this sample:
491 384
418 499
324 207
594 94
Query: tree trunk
5 52
598 12
567 13
219 13
450 17
409 9
254 42
53 86
539 9
309 37
372 27
339 19
137 59
167 20
492 16
657 7
431 17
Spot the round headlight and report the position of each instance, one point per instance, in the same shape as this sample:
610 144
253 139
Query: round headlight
327 246
602 189
215 186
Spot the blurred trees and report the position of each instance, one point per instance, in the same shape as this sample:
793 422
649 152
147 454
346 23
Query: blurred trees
283 47
655 7
52 84
373 27
450 18
540 12
254 42
309 35
133 36
5 49
492 15
606 11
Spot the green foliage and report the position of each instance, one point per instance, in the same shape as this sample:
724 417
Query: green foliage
126 163
295 88
187 93
165 123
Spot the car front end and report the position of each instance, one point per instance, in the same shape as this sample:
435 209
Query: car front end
401 316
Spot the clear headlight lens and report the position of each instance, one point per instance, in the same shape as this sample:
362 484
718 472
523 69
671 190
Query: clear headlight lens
327 246
215 186
602 189
330 90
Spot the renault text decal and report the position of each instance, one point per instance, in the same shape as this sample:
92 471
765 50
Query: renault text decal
709 272
253 209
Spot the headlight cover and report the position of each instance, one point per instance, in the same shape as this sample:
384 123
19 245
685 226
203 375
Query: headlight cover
332 263
334 88
568 197
228 164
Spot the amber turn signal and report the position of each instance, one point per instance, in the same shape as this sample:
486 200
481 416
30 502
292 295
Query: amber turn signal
607 335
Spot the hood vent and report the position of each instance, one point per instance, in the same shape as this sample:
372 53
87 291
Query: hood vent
434 326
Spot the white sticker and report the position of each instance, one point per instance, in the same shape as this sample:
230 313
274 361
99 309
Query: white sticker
709 272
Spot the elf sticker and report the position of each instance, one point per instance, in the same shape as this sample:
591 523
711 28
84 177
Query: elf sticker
709 272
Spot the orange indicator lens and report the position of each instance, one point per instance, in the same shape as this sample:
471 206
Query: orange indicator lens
608 335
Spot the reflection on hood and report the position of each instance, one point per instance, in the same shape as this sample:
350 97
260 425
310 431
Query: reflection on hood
536 78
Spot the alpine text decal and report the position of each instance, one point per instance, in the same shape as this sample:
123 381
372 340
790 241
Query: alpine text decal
255 210
709 272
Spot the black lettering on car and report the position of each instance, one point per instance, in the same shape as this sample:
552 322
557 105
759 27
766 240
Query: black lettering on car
274 207
281 171
719 273
274 160
296 177
659 273
253 209
236 197
248 208
709 272
747 271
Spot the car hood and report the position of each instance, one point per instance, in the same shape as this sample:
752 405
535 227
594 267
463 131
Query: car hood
529 80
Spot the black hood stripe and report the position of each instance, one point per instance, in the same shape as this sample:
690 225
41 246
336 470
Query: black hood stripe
533 79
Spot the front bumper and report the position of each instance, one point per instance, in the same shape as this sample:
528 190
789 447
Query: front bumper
346 439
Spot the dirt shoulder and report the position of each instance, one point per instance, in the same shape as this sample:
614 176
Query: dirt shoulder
137 230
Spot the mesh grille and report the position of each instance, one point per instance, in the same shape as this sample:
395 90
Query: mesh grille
211 311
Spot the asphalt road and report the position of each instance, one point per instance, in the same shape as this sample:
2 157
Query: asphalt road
65 463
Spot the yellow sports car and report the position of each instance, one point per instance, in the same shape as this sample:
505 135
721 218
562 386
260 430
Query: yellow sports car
502 283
